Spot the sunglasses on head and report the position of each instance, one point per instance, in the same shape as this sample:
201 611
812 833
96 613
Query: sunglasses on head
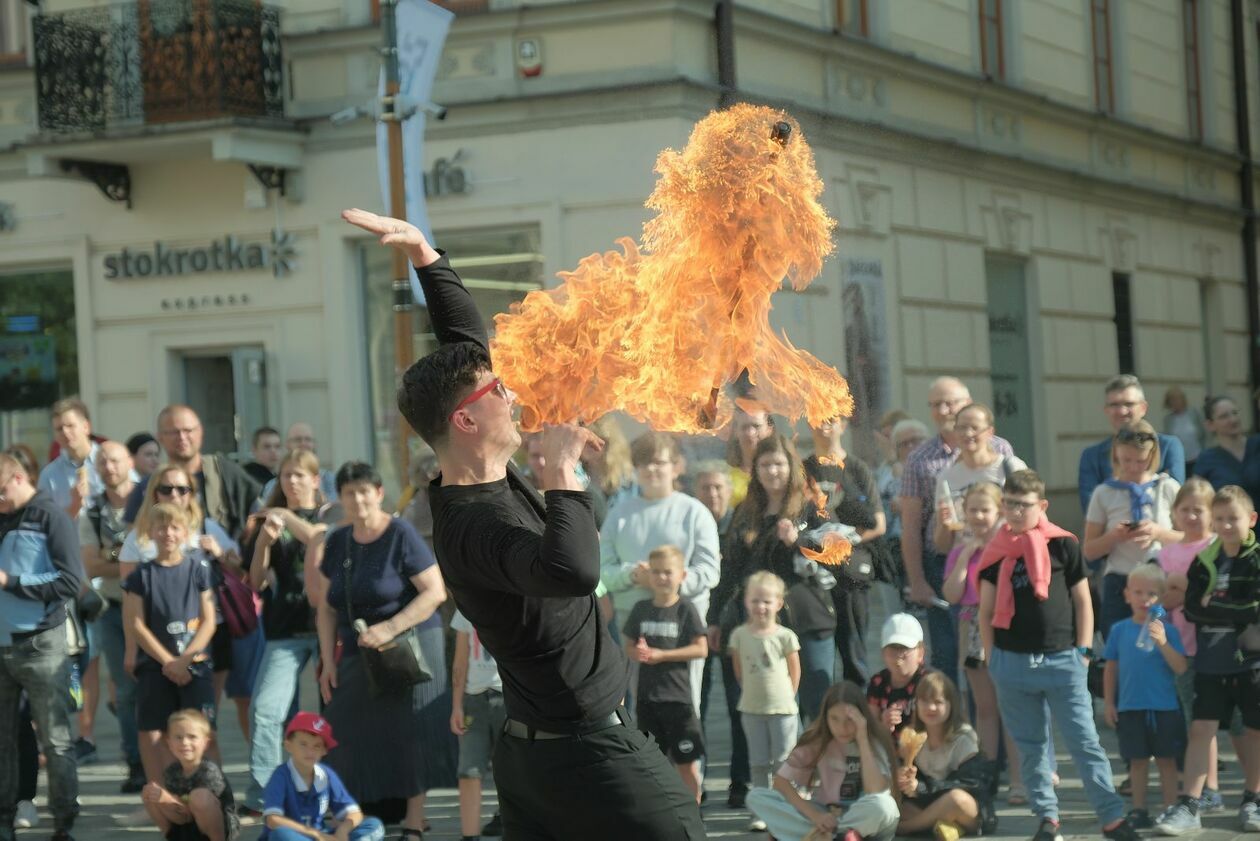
169 490
1130 436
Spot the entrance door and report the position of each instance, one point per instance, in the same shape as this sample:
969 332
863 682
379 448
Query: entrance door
228 391
1009 356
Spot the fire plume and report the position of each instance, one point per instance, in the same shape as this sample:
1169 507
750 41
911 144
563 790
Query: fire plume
659 328
835 550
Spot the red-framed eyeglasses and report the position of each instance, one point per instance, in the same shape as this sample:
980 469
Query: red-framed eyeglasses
494 385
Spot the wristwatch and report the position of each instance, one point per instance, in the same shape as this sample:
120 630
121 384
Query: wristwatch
1085 651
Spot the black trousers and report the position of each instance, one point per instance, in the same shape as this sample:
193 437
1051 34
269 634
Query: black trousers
613 784
852 610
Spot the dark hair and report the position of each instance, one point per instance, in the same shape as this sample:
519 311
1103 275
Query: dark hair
261 431
1025 482
434 384
1211 402
357 471
748 516
26 457
135 442
651 444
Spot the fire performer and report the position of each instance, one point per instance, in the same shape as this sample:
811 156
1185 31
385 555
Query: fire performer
571 764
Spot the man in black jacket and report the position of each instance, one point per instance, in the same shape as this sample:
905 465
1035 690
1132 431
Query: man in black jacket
571 764
40 570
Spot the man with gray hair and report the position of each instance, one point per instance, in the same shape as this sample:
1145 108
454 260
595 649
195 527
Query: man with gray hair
1124 404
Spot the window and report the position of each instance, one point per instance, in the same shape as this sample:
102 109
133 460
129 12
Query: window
1124 322
852 18
1104 87
498 265
1194 91
992 60
12 32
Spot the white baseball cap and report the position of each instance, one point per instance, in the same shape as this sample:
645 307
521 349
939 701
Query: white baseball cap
901 629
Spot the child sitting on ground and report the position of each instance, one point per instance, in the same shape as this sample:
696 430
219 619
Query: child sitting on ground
928 801
1146 714
845 759
890 693
664 634
306 799
194 802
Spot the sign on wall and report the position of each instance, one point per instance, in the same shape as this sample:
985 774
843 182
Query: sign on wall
229 254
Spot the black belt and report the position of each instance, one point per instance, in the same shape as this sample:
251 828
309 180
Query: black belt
521 730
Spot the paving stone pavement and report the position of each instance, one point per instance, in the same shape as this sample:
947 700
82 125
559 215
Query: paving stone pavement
101 802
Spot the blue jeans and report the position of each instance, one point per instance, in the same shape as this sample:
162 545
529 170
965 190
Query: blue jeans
109 629
1030 688
818 666
371 829
942 627
271 706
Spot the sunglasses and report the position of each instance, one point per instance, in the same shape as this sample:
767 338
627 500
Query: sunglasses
496 385
169 490
1129 436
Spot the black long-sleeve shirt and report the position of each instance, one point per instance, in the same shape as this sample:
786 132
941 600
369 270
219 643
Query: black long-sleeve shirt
523 573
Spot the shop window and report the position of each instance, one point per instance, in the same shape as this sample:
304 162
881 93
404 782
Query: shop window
992 59
39 353
498 265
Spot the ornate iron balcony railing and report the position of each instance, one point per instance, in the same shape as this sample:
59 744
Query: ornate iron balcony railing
157 61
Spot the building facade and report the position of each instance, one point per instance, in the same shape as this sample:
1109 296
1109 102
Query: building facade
1031 194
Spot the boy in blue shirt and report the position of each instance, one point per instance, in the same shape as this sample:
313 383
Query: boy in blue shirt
1147 715
304 799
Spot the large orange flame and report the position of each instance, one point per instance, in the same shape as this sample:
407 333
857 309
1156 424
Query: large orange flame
835 550
656 330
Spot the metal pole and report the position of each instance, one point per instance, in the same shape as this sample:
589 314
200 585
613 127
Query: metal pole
403 349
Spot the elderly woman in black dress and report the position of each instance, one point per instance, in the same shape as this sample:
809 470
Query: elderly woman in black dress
395 745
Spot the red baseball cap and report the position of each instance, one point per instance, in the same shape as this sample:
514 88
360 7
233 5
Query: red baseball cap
312 723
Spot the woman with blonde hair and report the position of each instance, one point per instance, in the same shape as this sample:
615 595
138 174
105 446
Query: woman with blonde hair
611 470
275 547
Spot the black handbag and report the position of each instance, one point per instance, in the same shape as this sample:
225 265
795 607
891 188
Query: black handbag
398 666
810 608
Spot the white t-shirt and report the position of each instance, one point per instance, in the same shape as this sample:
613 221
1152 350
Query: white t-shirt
135 552
937 763
1109 506
483 672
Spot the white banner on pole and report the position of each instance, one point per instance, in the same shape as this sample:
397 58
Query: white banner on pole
422 29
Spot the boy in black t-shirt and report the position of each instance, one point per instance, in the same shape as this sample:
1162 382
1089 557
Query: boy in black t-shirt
1223 600
194 801
1036 623
668 635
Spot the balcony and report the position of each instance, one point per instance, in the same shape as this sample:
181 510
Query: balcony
113 69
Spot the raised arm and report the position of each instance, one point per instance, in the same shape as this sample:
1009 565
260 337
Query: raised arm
451 309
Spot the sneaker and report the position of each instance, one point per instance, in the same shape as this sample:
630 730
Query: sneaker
850 835
946 831
1048 831
1211 801
140 817
248 815
1249 816
27 816
736 795
84 751
1180 818
135 781
1139 819
1125 789
1123 831
494 828
756 825
62 835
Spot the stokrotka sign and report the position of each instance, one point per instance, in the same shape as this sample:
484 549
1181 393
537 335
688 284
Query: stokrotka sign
229 254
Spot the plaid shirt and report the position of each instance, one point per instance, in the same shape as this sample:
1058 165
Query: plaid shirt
918 479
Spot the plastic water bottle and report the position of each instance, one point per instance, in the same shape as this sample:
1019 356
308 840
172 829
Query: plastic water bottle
1144 641
76 687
